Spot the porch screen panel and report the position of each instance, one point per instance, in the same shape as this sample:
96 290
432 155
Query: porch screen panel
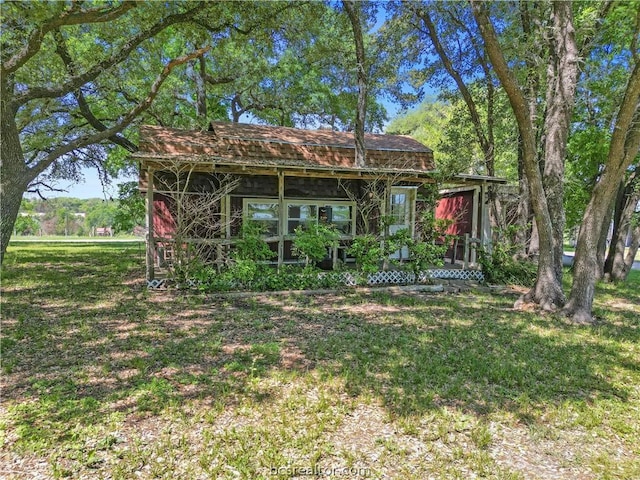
264 214
300 214
341 216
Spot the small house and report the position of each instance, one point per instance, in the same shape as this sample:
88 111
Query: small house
201 186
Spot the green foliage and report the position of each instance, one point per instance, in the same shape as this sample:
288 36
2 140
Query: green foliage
368 253
500 266
311 241
423 255
251 245
27 225
248 275
130 211
426 123
102 215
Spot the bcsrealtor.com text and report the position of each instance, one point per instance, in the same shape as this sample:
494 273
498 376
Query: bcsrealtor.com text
321 471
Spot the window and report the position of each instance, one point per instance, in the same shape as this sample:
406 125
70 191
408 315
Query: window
263 212
398 210
339 214
299 214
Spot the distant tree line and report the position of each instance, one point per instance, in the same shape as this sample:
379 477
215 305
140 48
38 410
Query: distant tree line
83 217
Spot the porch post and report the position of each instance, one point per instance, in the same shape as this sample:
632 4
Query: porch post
486 221
281 217
475 231
150 237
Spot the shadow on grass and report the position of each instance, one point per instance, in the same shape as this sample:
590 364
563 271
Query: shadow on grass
83 341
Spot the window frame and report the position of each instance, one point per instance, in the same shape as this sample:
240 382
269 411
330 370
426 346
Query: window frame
317 203
320 203
246 201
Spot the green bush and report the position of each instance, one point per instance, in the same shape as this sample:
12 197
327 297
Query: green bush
423 255
500 265
368 253
251 245
312 241
248 275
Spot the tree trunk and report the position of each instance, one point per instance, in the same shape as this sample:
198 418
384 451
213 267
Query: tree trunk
616 267
562 78
631 255
601 251
624 146
14 176
354 16
547 291
524 207
585 261
625 204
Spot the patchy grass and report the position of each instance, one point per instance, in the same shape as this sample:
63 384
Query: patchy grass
102 379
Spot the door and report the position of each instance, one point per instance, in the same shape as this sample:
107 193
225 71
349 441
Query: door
400 212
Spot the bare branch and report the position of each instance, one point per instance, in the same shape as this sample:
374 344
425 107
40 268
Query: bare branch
34 187
196 214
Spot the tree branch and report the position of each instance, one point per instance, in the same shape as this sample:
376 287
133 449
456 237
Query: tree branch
80 79
457 78
354 16
85 110
625 134
69 17
126 120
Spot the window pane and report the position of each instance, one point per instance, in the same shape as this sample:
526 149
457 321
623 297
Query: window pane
343 227
398 207
303 212
308 212
294 211
293 224
262 211
340 213
270 227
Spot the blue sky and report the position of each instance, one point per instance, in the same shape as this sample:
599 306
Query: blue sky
90 187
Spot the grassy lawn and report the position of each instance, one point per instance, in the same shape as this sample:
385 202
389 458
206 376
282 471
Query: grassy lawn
103 379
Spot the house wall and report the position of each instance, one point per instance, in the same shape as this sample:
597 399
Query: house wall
457 206
311 188
163 223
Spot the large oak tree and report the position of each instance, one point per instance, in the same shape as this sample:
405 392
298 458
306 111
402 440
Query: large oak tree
54 56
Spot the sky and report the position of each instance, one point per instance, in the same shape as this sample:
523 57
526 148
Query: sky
90 187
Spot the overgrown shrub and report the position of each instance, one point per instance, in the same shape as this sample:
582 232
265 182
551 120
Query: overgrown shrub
423 255
312 241
368 253
246 275
501 265
251 245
